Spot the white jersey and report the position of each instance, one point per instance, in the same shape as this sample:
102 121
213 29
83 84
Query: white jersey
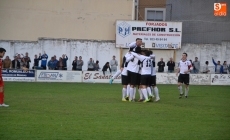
124 71
132 45
184 66
146 64
133 65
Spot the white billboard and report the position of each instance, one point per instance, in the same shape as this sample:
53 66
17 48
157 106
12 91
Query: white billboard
220 79
154 34
58 76
98 77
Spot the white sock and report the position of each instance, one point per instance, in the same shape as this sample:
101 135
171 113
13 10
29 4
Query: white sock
180 89
152 89
144 91
131 93
124 91
134 92
141 95
149 91
156 93
186 91
116 74
128 90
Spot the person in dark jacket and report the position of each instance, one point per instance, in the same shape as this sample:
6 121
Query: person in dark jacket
64 59
74 63
171 65
105 67
161 65
15 63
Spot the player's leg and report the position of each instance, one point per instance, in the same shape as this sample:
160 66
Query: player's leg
133 82
180 81
186 82
2 104
115 76
155 88
124 89
127 93
144 84
140 93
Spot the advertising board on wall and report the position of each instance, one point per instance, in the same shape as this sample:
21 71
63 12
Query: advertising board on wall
18 75
98 77
154 34
58 76
220 79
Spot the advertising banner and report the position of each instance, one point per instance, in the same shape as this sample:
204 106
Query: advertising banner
18 75
220 79
154 34
58 76
99 77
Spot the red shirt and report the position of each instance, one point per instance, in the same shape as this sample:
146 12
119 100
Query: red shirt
1 68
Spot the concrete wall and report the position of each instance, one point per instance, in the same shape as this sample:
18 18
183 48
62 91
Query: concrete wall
104 50
199 23
76 19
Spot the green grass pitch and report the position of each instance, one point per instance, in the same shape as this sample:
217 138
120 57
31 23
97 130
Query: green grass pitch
81 111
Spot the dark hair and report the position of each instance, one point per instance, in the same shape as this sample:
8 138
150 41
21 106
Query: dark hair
107 63
147 53
2 50
138 50
150 52
206 62
218 61
196 57
97 61
185 54
138 39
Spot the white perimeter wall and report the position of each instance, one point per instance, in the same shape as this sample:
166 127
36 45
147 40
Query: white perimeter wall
104 50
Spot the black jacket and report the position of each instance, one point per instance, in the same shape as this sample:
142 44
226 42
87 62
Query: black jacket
13 65
171 65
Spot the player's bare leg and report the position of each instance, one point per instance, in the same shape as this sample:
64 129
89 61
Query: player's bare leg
180 90
186 90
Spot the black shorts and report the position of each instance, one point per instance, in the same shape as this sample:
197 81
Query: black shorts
153 80
183 78
145 80
124 80
132 78
138 79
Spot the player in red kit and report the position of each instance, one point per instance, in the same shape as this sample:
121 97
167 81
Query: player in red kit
2 104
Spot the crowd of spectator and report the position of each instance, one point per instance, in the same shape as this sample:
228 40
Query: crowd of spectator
21 60
219 69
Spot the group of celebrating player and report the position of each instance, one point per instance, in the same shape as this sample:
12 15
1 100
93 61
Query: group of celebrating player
138 71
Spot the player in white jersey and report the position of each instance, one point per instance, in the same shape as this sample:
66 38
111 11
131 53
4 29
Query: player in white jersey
153 78
145 72
184 68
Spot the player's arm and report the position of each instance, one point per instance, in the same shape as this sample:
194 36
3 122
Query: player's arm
190 68
129 58
140 57
132 45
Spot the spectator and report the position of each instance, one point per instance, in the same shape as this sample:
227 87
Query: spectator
36 61
64 59
23 63
217 66
206 68
19 57
91 65
171 65
74 63
96 66
196 65
161 65
51 64
224 68
44 58
56 62
15 63
113 64
105 67
6 63
60 65
80 63
27 60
